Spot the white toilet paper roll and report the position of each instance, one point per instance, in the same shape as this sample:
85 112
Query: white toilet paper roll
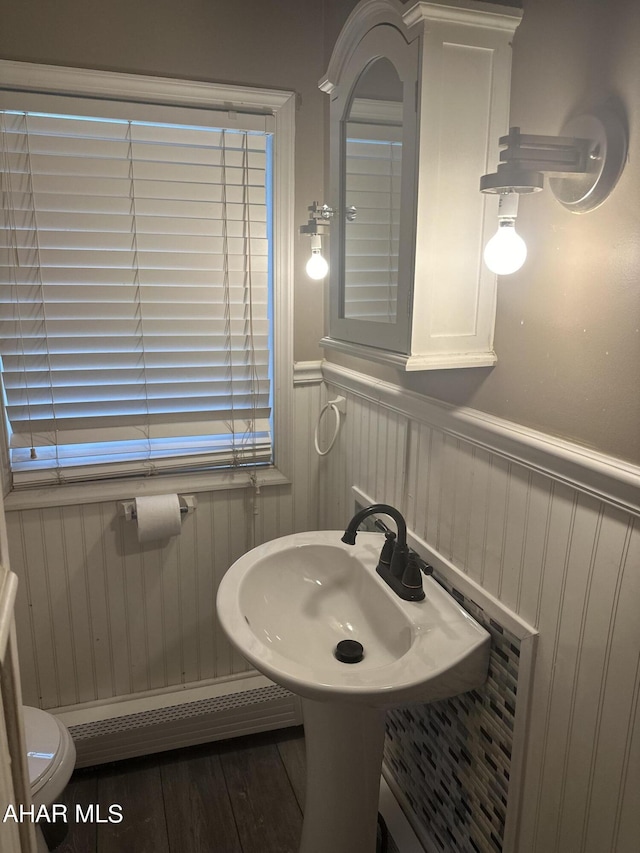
158 517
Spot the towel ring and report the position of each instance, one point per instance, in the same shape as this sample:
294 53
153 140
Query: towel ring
330 405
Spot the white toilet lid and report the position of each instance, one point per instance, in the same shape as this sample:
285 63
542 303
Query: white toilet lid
42 736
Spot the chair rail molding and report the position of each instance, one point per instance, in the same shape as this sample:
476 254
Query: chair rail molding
608 478
307 373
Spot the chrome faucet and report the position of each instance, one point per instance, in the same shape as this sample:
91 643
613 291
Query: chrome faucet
398 565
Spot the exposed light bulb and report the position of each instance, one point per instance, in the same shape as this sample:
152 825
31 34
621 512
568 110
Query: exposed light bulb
317 267
506 251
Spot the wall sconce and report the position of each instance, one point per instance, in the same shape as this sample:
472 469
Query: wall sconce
317 266
586 160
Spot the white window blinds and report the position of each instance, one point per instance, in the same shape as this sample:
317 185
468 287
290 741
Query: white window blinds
135 293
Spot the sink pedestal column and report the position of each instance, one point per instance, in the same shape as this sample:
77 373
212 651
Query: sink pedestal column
344 746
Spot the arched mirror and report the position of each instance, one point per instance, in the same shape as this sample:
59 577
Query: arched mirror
373 143
419 96
372 190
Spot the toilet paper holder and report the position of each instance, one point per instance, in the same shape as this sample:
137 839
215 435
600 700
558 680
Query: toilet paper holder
127 509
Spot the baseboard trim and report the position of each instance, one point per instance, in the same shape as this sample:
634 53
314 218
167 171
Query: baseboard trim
407 833
400 829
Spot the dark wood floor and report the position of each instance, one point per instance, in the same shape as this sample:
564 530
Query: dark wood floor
240 796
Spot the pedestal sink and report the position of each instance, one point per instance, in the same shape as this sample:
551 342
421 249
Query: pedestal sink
286 605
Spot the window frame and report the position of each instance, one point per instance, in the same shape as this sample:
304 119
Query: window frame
170 92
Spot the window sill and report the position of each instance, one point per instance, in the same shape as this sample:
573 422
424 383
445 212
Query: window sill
125 489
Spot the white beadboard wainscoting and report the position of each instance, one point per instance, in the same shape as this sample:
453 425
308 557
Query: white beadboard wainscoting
102 619
549 530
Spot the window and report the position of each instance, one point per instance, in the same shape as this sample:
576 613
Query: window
136 281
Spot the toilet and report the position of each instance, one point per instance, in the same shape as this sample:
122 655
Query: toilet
51 757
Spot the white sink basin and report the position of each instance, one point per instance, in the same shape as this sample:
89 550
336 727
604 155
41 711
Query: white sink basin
286 604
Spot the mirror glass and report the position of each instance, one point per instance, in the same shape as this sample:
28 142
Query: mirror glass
371 200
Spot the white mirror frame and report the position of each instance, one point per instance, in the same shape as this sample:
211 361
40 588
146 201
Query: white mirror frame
388 42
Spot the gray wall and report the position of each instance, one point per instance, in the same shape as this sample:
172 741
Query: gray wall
567 324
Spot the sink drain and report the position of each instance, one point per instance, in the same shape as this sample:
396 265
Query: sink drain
349 651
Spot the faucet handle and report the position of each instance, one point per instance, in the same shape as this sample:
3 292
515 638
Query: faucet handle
424 567
388 548
412 577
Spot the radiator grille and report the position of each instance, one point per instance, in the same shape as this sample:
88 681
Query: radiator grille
201 708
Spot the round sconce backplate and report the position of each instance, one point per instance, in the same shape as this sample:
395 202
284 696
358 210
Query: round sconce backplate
606 157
